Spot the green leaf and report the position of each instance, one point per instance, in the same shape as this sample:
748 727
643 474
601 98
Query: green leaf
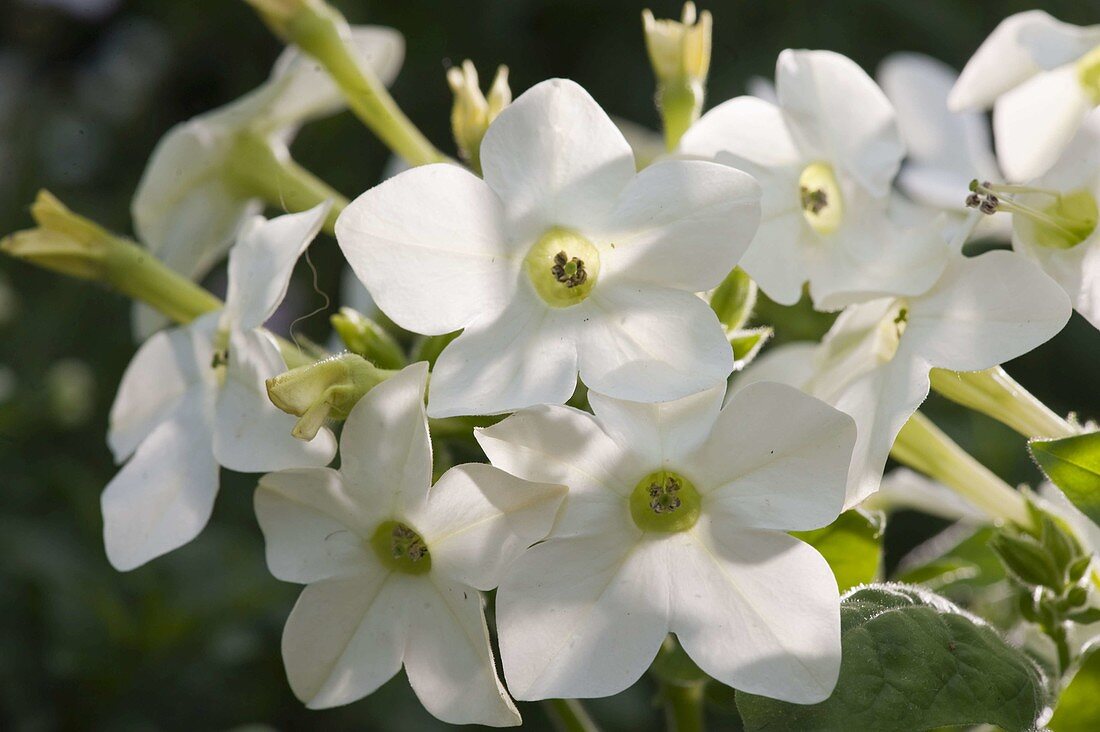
913 661
1073 464
852 545
1077 709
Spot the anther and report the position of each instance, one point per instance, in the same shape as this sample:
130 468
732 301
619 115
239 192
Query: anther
569 272
814 200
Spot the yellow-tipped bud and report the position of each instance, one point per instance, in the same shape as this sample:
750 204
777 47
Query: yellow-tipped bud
472 112
679 50
324 390
366 338
63 241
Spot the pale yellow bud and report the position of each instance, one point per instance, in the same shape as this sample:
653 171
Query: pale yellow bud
63 241
472 113
679 50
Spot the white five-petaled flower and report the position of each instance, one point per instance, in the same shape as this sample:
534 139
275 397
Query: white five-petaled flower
1041 76
825 156
193 398
945 150
874 362
562 259
195 194
1067 195
394 565
675 522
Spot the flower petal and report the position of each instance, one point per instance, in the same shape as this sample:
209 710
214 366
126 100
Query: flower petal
791 364
565 446
434 229
385 453
744 624
251 434
448 658
651 344
750 128
681 224
346 637
154 384
524 356
313 527
776 259
1034 122
835 112
661 434
556 159
1019 47
478 519
777 458
261 262
582 618
985 310
163 497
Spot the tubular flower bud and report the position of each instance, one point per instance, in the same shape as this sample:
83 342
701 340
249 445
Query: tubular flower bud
473 111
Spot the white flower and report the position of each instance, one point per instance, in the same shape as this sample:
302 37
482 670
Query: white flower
675 522
873 364
945 150
394 569
561 259
194 195
825 156
193 398
1041 77
1069 191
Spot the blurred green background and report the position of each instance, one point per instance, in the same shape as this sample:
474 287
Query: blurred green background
87 87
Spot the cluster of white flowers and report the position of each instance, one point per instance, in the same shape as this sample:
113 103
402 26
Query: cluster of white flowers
665 509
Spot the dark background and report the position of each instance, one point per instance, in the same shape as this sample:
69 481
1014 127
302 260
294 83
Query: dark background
87 87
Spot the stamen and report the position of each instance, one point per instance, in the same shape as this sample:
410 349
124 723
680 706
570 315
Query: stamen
665 501
814 200
1067 230
569 272
401 548
663 498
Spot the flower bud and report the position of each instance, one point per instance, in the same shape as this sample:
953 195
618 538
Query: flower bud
679 51
734 299
324 390
64 242
472 112
364 337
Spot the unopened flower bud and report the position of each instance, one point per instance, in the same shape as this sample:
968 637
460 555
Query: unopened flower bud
734 299
679 50
680 55
472 112
324 390
364 337
63 241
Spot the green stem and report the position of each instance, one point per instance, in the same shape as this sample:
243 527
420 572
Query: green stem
994 393
317 32
924 447
134 272
683 707
569 715
269 173
680 104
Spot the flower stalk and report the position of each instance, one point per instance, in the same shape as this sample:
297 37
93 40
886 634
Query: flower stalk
996 394
569 715
924 447
318 29
272 175
679 52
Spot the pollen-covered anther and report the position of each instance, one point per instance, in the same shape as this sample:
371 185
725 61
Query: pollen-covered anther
814 200
569 271
665 501
401 548
663 495
407 544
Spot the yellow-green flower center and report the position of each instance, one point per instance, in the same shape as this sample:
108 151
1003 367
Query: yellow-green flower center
666 502
400 548
563 267
1088 74
819 193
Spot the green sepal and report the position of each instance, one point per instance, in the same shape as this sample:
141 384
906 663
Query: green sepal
1077 709
364 337
746 344
911 660
734 299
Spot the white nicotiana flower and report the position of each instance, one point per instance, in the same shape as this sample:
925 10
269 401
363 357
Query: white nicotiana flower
562 259
394 565
1054 219
945 150
193 398
675 522
1041 76
873 364
825 156
197 192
